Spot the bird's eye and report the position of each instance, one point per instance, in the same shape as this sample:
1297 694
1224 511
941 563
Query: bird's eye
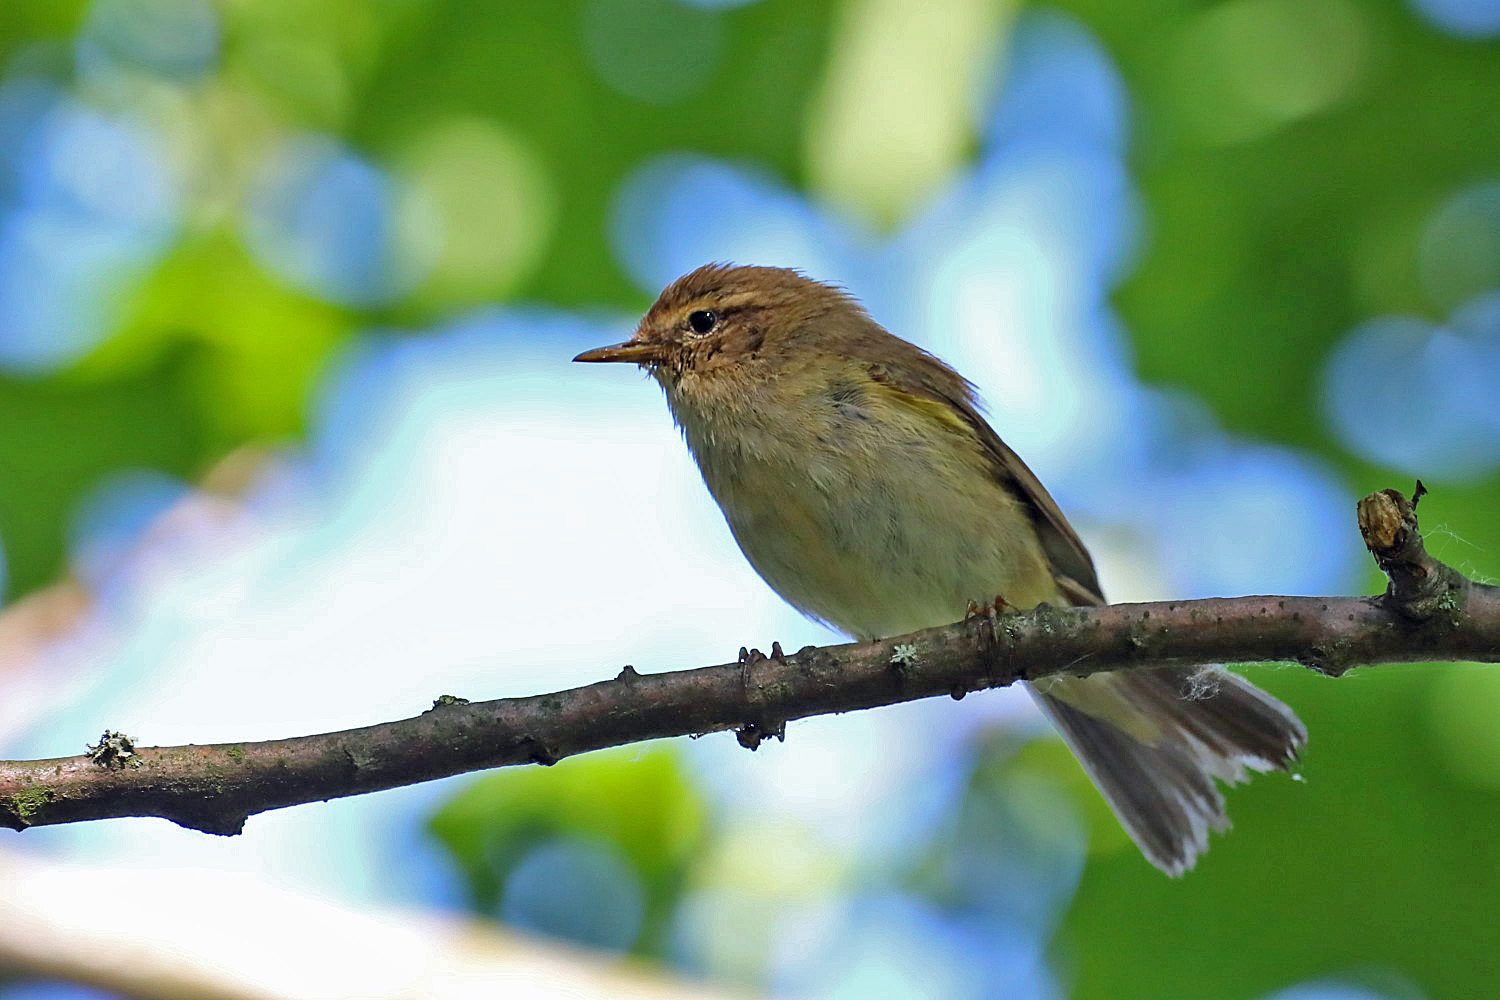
702 320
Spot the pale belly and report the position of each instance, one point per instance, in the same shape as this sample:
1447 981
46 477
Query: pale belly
904 544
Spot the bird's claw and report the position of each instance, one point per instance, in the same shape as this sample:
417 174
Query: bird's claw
992 610
753 734
751 656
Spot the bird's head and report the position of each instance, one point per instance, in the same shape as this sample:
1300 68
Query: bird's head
736 323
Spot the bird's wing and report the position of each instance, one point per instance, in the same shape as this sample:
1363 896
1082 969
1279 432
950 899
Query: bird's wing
1072 566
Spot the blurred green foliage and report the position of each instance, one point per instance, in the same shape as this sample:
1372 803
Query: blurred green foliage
636 802
63 435
528 70
1379 858
1270 232
1277 222
233 352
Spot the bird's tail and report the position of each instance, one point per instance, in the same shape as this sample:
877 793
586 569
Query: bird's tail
1153 741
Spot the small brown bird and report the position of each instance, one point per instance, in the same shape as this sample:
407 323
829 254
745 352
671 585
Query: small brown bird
863 485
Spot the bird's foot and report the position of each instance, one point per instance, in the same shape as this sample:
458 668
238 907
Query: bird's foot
752 656
994 609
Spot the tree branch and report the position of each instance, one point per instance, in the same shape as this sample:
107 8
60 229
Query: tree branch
1429 612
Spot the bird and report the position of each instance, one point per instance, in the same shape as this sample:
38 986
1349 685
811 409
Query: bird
862 482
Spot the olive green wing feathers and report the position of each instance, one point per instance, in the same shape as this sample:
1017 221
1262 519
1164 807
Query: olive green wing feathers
928 378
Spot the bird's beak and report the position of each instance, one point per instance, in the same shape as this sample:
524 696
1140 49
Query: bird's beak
640 353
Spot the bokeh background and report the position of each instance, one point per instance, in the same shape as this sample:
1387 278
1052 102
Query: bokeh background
289 442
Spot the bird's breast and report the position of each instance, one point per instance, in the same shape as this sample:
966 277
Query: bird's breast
868 522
